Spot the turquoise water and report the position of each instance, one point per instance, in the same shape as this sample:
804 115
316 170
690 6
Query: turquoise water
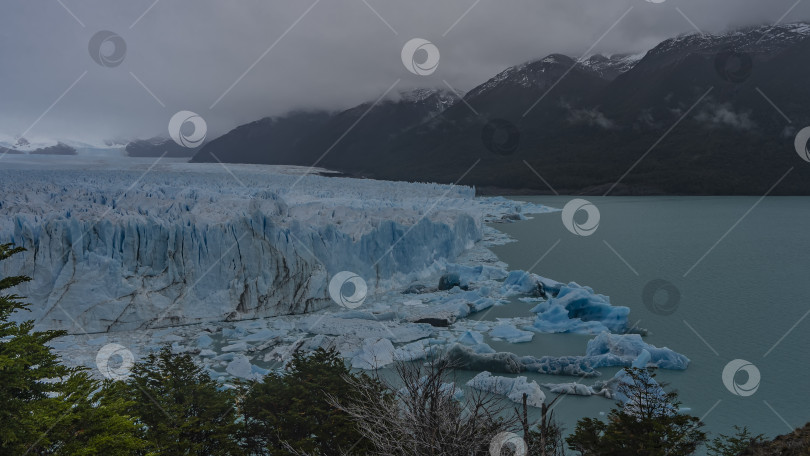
740 300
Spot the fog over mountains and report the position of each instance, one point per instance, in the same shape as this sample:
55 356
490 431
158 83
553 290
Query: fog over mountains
710 114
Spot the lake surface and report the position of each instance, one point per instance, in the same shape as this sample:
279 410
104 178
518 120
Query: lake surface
736 303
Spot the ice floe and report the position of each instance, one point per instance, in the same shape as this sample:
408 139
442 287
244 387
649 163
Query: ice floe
513 388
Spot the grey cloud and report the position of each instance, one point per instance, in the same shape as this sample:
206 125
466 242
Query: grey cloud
591 117
724 115
189 52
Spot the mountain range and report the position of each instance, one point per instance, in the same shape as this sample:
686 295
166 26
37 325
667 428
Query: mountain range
22 146
697 114
157 147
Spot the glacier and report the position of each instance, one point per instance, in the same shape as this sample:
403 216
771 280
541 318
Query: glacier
232 265
513 388
123 249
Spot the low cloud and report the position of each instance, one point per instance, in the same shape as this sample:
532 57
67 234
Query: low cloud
591 117
724 115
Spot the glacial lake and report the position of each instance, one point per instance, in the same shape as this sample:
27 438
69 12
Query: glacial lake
745 295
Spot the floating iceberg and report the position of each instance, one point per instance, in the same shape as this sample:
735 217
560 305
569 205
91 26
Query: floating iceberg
574 389
467 358
204 341
374 354
511 334
471 338
241 367
237 347
578 309
610 389
413 351
522 282
513 388
626 349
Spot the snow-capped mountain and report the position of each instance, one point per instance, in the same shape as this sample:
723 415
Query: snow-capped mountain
540 72
611 67
435 100
57 149
48 146
758 40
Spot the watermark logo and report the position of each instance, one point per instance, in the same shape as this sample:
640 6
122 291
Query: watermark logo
653 291
115 361
501 136
508 440
656 1
107 49
420 57
733 66
802 138
357 287
586 228
177 129
730 372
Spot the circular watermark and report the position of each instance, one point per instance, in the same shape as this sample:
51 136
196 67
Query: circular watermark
751 384
508 440
107 49
115 361
586 228
653 292
733 66
500 136
338 285
802 139
189 139
420 57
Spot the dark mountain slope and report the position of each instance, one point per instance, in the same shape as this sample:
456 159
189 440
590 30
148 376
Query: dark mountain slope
158 147
269 140
444 147
302 138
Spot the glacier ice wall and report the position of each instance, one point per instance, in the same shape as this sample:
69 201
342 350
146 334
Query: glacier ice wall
173 244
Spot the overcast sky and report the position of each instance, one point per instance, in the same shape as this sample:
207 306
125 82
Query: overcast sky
188 53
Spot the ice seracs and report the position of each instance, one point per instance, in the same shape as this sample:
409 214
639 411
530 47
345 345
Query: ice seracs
191 244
